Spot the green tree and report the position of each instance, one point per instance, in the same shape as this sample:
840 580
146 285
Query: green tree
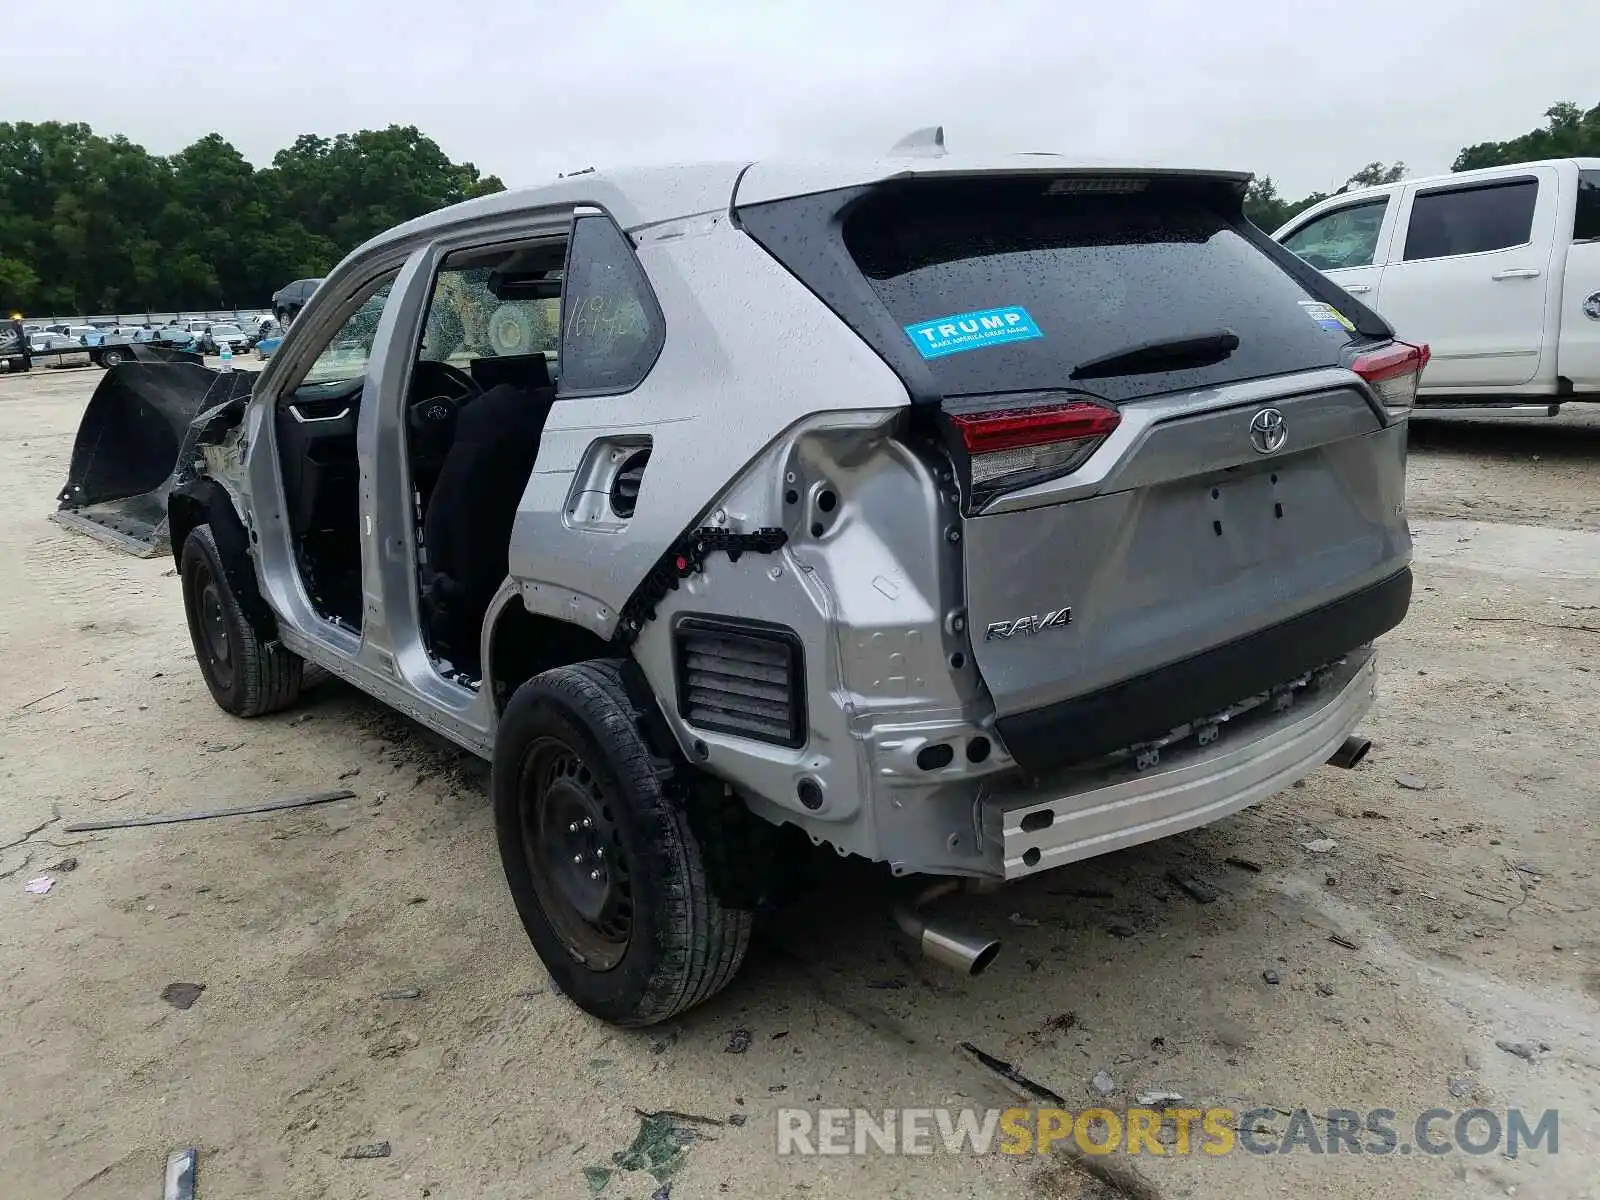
1569 132
1375 173
98 224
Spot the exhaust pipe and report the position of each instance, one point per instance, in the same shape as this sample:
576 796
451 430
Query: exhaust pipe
968 953
1352 752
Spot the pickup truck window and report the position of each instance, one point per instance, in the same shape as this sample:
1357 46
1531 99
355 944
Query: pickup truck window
1471 220
1345 237
1586 222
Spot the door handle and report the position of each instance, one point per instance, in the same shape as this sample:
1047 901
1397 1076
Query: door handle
1516 273
1358 288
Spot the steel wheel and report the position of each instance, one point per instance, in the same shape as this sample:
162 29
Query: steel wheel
214 633
581 874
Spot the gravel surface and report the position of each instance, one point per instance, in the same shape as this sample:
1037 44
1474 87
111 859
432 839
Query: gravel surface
366 984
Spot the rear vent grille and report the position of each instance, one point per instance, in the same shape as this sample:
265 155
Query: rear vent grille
741 677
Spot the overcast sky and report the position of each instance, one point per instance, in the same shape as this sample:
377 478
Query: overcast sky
1304 90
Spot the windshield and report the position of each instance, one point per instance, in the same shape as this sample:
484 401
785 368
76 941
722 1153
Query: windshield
226 330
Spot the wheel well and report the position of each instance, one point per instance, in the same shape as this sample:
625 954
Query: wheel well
204 502
523 644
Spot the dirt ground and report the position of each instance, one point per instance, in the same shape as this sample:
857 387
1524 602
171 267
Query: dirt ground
1465 914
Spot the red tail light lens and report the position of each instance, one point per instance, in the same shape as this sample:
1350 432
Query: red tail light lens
1013 447
1393 372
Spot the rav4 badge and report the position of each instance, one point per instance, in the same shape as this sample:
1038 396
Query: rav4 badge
1029 625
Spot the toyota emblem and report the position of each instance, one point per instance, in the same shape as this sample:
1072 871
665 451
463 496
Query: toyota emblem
1268 431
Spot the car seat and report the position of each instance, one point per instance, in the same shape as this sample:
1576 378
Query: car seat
467 525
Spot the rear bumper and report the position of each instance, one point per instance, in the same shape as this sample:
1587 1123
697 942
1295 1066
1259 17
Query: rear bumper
1078 815
1145 708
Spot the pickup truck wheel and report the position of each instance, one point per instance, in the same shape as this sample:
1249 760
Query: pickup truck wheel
247 676
110 358
608 877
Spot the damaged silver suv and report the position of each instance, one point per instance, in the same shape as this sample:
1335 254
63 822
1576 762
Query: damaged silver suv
970 517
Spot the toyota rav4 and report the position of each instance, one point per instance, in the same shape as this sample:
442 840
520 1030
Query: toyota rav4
970 517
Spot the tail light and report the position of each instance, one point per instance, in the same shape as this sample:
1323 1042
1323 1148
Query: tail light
1014 446
1394 372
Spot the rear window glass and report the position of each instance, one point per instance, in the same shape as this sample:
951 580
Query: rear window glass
1075 277
1586 223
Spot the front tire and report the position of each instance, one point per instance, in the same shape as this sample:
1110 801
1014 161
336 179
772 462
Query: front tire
247 676
608 877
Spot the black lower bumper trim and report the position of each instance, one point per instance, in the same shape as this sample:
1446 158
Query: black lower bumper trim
1151 705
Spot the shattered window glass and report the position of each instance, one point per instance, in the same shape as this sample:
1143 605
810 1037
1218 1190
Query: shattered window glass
345 356
467 320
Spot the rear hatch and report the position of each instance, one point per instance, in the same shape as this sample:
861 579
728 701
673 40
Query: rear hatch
1176 493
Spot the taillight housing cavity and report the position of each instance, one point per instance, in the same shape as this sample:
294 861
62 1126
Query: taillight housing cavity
1011 442
1394 372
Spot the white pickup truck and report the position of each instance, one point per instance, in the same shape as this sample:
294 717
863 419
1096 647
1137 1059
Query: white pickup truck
1497 270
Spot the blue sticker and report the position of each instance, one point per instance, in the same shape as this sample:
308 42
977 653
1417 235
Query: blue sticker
972 331
1327 316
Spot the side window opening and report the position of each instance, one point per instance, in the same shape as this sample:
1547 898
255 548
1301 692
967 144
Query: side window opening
612 328
1346 237
1471 220
316 433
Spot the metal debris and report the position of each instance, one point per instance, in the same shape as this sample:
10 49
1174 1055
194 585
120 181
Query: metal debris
1152 1099
738 1042
1009 1073
368 1150
1271 976
206 815
1244 864
1197 890
1338 939
405 993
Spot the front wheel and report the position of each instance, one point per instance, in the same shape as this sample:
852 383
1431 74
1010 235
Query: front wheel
608 877
247 676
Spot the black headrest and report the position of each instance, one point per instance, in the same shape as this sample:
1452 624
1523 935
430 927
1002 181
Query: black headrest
529 372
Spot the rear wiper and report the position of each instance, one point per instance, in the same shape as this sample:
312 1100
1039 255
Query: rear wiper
1163 354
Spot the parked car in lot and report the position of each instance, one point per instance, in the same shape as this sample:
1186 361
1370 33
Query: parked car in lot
288 300
57 349
971 517
1498 270
217 336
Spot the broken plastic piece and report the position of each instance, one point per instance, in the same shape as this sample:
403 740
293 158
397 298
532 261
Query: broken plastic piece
40 884
181 1166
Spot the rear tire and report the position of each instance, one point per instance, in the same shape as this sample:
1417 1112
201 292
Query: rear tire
608 877
111 358
247 676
